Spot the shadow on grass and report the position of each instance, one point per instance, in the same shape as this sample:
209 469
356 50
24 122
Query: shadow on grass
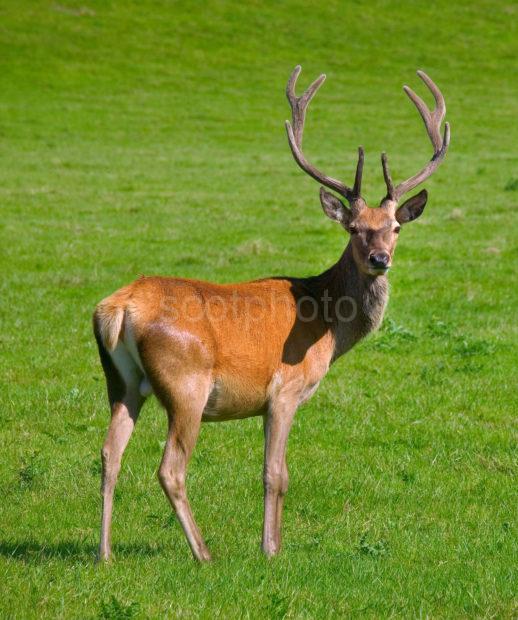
33 551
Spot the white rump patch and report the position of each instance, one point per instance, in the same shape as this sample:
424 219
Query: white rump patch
125 365
129 365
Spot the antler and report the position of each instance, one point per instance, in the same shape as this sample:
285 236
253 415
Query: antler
432 121
295 134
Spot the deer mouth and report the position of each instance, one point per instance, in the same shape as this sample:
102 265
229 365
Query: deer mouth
377 271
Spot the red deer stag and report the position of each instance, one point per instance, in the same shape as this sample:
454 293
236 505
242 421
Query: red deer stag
212 352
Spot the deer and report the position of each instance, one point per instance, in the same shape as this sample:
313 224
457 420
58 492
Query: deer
214 352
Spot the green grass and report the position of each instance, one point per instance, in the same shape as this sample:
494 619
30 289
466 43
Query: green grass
147 137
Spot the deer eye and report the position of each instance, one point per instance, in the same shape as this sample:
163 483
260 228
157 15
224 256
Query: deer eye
397 229
353 230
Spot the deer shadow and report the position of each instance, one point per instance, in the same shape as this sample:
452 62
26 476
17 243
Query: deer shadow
309 327
31 551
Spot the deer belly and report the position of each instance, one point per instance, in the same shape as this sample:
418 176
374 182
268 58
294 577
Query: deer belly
232 399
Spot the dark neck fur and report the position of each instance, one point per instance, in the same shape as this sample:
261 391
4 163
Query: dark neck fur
353 303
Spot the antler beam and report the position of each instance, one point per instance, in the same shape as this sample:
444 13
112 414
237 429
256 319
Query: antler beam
432 121
295 131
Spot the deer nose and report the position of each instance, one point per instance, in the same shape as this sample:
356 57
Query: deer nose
379 260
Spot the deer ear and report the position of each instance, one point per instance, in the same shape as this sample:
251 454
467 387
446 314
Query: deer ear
334 208
412 208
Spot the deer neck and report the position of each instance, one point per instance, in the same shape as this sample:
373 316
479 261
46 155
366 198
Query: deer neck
351 302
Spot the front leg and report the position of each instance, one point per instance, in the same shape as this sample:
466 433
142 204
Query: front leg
277 425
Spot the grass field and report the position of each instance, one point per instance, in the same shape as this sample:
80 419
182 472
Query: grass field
147 137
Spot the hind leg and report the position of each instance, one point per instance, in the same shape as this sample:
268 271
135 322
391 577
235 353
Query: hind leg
124 417
184 408
123 378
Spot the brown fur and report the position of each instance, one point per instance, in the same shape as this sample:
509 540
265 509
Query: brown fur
218 352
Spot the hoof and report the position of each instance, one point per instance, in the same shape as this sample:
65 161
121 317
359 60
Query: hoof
104 557
204 556
270 552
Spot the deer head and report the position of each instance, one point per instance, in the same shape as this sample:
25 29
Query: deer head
374 231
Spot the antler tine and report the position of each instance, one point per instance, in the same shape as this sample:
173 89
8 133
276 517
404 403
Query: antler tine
440 104
300 104
387 176
432 120
357 189
295 131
